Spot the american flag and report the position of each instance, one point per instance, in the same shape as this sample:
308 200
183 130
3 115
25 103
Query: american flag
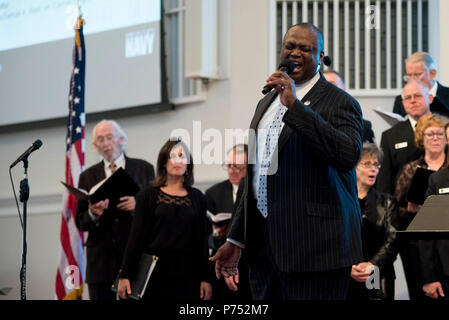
70 274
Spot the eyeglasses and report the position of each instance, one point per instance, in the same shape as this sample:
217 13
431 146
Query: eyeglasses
369 164
234 167
415 96
430 135
410 76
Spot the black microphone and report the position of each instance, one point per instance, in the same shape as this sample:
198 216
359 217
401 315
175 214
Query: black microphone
36 145
286 66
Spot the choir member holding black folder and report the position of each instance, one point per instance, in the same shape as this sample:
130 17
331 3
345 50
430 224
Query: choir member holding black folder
170 223
434 253
410 192
106 213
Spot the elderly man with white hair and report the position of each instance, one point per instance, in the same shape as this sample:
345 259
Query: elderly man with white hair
108 223
421 67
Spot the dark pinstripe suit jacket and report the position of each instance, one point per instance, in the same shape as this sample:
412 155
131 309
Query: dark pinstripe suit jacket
314 219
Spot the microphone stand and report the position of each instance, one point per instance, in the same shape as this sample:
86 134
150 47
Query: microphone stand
24 195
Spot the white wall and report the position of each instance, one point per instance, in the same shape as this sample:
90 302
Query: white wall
230 103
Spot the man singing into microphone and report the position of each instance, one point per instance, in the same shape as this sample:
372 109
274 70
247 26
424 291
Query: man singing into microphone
299 220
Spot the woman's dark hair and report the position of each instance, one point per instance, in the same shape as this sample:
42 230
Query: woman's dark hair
164 156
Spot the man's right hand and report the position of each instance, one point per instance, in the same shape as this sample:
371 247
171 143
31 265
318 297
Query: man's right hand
124 288
433 289
413 207
362 271
226 260
232 282
98 208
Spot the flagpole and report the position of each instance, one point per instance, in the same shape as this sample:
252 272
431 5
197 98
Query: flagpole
71 270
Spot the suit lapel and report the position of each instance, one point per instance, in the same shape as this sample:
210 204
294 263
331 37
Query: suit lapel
261 108
252 138
228 195
310 100
442 91
98 173
410 134
128 166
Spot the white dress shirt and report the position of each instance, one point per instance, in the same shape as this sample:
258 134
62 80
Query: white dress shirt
413 123
267 119
119 162
433 90
235 188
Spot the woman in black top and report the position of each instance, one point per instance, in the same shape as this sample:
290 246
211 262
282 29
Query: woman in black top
378 235
434 253
169 222
430 137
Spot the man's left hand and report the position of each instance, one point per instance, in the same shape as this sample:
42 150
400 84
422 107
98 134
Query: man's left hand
232 282
226 260
362 271
127 203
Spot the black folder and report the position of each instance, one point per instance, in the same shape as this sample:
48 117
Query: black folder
418 187
139 284
118 185
431 221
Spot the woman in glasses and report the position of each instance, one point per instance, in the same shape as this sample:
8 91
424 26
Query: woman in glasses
169 222
434 253
378 236
430 137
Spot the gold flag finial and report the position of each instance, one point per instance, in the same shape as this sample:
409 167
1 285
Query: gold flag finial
79 21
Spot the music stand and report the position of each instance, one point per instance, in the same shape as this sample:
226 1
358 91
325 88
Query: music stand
431 221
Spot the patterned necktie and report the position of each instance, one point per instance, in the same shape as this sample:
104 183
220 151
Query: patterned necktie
113 167
273 134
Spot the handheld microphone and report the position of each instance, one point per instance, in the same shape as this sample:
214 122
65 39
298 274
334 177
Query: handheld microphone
36 145
286 66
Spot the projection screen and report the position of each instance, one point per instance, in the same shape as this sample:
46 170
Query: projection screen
123 56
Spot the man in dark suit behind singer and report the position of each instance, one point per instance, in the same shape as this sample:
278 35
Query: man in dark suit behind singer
222 199
299 223
398 142
108 223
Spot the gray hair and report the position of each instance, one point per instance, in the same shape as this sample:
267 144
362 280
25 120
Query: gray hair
118 129
420 83
423 57
371 149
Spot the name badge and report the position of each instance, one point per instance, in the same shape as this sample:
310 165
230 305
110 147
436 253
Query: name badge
443 190
401 145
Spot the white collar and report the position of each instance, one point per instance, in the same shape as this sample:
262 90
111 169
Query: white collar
433 90
306 86
119 162
412 122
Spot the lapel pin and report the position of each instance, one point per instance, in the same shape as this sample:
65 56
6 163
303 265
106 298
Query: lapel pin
307 103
